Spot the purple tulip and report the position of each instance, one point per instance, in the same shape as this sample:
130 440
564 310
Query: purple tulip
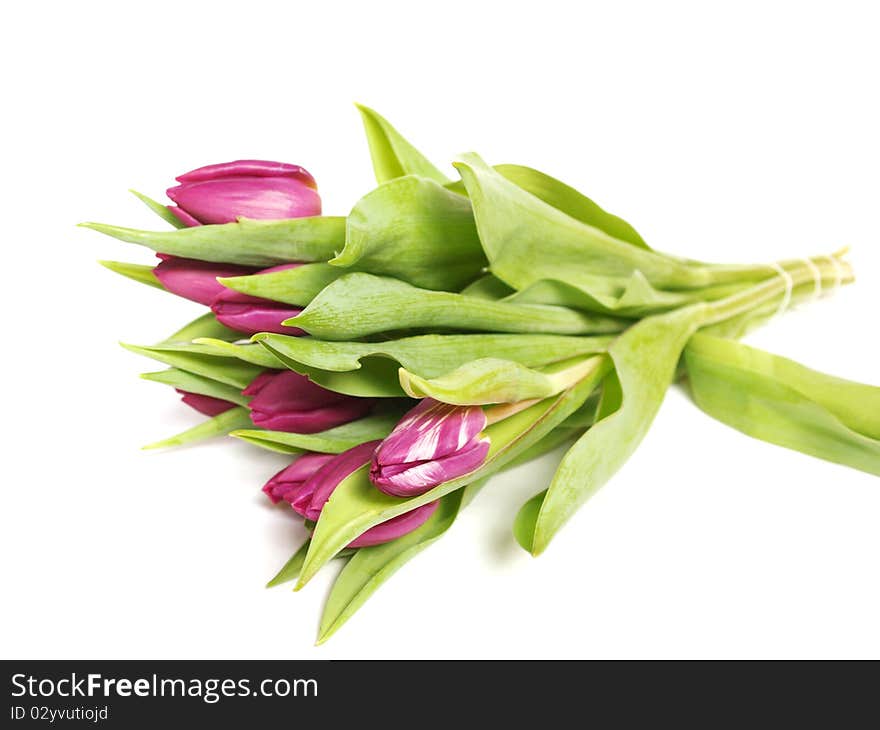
196 280
288 401
206 404
433 443
245 188
313 494
244 313
287 483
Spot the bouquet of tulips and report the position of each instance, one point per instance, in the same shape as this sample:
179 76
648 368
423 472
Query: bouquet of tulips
446 330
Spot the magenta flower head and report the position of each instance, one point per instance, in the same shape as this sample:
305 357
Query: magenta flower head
313 494
433 443
195 280
206 404
288 401
245 188
286 484
250 315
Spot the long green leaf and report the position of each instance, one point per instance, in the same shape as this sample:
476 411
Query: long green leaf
645 357
290 570
205 325
414 229
248 242
362 304
236 373
370 567
332 441
192 383
393 156
297 286
777 400
159 209
141 273
217 426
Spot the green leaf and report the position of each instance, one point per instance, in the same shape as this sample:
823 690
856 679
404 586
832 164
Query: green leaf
392 155
431 355
488 287
414 229
780 401
159 209
192 383
362 304
515 226
290 570
356 505
205 325
141 273
492 380
216 426
375 378
564 198
370 567
248 242
296 286
332 441
645 357
248 352
227 370
628 297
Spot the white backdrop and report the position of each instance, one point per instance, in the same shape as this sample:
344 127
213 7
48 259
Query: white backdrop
728 131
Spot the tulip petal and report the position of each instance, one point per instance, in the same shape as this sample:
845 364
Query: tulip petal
321 484
315 420
268 198
206 404
395 527
432 430
195 280
183 216
286 483
251 319
414 478
249 168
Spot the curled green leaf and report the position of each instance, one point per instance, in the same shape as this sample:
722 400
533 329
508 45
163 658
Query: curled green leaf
414 229
493 380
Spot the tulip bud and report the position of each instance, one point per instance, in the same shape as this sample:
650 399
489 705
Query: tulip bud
287 483
316 490
244 313
206 404
433 443
288 401
245 188
195 280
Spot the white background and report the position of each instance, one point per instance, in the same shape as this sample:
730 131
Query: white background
727 131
